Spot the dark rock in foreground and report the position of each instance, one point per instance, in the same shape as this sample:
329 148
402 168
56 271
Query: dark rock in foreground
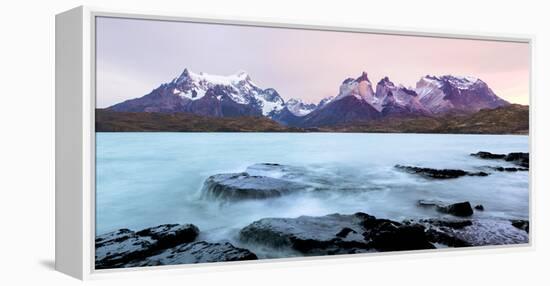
439 173
477 232
457 209
387 235
117 248
521 224
518 158
331 234
126 248
336 234
239 186
360 232
197 252
170 235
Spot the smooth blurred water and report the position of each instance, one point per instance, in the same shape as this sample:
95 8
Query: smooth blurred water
147 179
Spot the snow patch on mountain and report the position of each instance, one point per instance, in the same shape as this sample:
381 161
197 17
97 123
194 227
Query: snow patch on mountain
240 88
459 93
299 108
325 101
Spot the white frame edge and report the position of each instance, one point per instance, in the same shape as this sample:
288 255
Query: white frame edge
75 140
73 143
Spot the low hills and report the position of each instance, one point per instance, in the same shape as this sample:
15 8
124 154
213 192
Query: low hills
510 119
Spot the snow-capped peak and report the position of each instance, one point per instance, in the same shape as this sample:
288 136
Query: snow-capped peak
238 86
213 79
325 101
299 108
461 82
444 93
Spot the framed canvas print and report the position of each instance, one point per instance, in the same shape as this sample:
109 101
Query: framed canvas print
183 141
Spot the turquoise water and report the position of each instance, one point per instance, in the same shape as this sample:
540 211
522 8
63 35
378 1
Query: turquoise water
147 179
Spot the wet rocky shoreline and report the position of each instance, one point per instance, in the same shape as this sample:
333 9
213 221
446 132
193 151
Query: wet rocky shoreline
452 224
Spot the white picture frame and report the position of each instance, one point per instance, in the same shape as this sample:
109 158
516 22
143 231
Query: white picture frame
75 135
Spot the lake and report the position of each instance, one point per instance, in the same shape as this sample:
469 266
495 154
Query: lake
147 179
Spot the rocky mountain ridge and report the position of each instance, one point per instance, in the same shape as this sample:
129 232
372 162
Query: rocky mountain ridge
358 100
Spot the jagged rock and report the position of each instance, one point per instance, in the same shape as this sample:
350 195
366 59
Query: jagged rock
240 186
439 173
521 224
387 235
169 235
518 158
488 155
197 252
479 207
162 245
457 209
345 231
117 248
509 169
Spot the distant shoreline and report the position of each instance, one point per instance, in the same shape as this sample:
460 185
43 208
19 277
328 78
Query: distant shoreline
509 120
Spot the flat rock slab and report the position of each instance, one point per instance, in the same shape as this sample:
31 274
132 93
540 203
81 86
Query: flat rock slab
241 186
309 235
197 252
335 234
439 173
478 232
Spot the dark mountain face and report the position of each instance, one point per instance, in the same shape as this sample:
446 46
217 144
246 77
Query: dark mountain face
456 94
344 110
398 100
286 117
159 100
478 96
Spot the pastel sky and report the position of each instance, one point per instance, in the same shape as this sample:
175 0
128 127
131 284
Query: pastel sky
135 56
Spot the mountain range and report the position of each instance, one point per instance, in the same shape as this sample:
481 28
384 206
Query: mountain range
357 100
